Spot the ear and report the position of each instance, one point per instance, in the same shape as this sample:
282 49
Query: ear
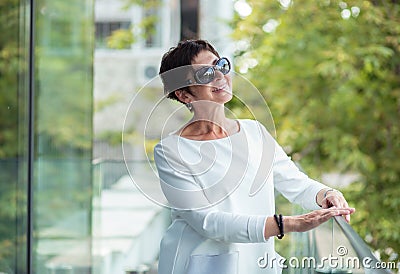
184 96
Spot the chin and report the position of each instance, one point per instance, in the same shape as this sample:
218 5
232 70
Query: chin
228 97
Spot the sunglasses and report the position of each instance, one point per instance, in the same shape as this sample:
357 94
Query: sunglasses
206 74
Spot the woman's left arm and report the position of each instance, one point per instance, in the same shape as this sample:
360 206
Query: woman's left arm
298 188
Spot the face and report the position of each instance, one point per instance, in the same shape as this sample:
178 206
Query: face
219 90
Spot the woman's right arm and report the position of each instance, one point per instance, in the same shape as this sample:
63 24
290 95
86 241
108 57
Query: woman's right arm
208 222
226 226
304 222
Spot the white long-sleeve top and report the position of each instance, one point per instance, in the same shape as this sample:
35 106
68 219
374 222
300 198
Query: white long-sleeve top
221 192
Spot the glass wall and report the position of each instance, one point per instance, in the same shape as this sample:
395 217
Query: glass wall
46 136
56 214
14 47
63 132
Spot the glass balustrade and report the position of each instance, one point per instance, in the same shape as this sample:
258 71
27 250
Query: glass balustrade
333 247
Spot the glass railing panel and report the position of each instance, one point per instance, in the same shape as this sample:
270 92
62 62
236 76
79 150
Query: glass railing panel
367 259
333 247
127 226
333 250
330 249
62 209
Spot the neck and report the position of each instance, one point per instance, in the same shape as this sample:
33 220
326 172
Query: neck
209 117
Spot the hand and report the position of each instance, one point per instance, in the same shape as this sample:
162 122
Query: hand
313 219
332 198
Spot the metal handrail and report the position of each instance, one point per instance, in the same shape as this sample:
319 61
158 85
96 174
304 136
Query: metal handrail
362 250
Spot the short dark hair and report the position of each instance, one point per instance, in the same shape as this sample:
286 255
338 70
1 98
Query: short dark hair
183 55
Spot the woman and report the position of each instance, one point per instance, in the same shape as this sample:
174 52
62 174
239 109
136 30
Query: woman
219 176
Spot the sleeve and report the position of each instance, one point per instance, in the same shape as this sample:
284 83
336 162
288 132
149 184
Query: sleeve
208 222
294 185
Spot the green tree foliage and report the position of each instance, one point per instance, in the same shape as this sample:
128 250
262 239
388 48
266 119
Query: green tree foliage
120 39
330 71
63 79
12 195
124 38
9 58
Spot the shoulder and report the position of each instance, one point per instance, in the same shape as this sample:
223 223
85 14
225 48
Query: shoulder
256 127
248 122
252 126
166 145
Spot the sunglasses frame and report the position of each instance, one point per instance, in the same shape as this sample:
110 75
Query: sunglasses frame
214 68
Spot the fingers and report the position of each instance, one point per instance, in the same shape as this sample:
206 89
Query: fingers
347 217
341 211
336 199
315 218
346 205
326 214
334 211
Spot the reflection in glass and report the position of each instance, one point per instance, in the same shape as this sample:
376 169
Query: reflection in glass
63 133
14 46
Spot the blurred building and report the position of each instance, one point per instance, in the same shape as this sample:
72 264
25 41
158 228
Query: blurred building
119 73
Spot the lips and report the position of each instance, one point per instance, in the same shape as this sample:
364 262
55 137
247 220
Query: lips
219 89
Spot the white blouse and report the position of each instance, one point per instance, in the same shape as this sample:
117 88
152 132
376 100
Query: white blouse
221 192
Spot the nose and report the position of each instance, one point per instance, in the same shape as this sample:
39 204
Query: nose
218 75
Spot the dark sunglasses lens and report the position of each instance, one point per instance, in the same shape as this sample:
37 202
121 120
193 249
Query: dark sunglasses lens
223 65
205 75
